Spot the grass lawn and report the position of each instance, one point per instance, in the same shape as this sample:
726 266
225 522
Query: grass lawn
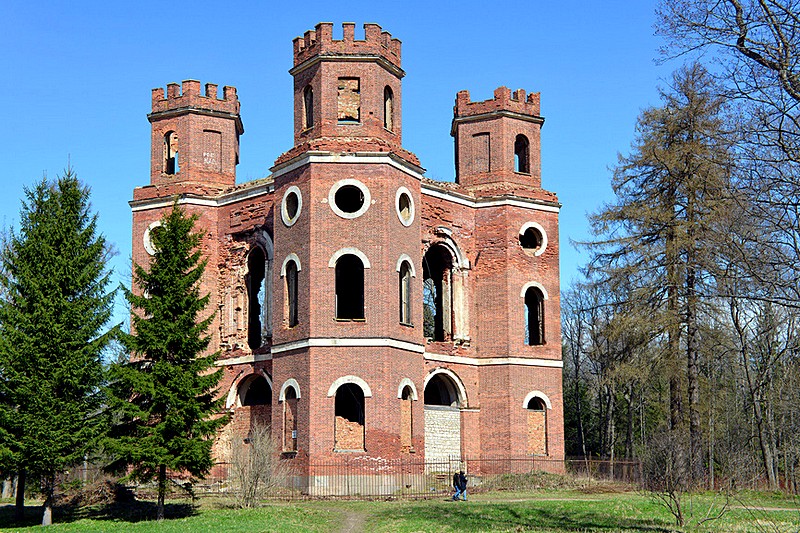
540 511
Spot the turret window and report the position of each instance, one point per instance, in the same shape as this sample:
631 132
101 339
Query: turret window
522 155
405 293
388 109
349 91
534 317
308 107
171 165
349 288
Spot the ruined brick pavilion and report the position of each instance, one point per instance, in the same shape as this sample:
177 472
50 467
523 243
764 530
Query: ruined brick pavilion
362 309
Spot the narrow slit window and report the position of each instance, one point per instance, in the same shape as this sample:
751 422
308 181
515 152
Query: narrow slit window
291 294
171 165
405 293
388 108
290 421
308 107
522 155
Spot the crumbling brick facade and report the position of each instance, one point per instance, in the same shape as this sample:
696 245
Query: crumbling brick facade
361 308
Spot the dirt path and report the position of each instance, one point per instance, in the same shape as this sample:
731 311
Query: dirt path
353 522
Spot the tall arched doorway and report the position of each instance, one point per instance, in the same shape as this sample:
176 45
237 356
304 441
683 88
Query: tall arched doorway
444 397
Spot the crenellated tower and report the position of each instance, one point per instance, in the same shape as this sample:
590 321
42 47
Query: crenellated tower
195 135
347 93
498 140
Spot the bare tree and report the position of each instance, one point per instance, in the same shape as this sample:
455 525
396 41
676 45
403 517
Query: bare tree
256 465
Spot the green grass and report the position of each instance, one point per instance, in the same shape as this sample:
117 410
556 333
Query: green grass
567 510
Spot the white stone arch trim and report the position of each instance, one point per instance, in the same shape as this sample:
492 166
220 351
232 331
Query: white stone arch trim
291 257
542 232
536 394
289 383
265 241
350 379
446 239
533 284
462 391
147 241
405 382
233 400
350 250
406 257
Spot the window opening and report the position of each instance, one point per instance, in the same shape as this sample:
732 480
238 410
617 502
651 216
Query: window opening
531 240
441 390
349 198
406 426
292 204
405 293
388 108
521 155
256 268
171 165
404 205
534 317
349 418
255 391
308 107
349 288
290 420
349 92
436 297
537 427
291 293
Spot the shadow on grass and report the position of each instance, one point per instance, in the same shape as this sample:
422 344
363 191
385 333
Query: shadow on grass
135 511
502 516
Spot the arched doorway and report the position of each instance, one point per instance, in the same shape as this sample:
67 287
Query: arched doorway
444 397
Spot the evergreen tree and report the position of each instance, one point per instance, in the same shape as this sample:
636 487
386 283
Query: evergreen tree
163 398
53 313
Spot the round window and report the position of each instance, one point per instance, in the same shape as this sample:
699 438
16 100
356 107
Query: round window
349 198
291 206
532 238
149 247
404 206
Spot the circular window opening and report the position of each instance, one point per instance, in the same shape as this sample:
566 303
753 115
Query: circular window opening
292 204
404 206
349 199
531 240
149 233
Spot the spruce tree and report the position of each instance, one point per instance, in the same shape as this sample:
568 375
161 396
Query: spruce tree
163 397
54 312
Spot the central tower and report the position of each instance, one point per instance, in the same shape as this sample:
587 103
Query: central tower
347 240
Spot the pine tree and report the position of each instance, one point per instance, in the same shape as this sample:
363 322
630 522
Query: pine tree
53 317
163 398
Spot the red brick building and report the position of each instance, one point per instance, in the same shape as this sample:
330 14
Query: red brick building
362 309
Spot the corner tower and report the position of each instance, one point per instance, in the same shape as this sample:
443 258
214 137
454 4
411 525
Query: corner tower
498 140
195 136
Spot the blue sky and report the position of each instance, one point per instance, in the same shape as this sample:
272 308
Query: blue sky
77 76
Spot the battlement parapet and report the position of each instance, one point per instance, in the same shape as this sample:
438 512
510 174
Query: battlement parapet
504 100
319 41
188 94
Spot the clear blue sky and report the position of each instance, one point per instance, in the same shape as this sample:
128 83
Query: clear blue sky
76 78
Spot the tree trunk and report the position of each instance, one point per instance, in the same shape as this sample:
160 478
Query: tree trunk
693 387
673 324
162 491
19 505
49 492
629 432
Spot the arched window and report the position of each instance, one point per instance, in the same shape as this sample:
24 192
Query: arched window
256 295
388 108
405 293
255 391
292 315
537 426
437 293
534 317
171 165
522 155
290 420
406 425
349 288
308 107
349 418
